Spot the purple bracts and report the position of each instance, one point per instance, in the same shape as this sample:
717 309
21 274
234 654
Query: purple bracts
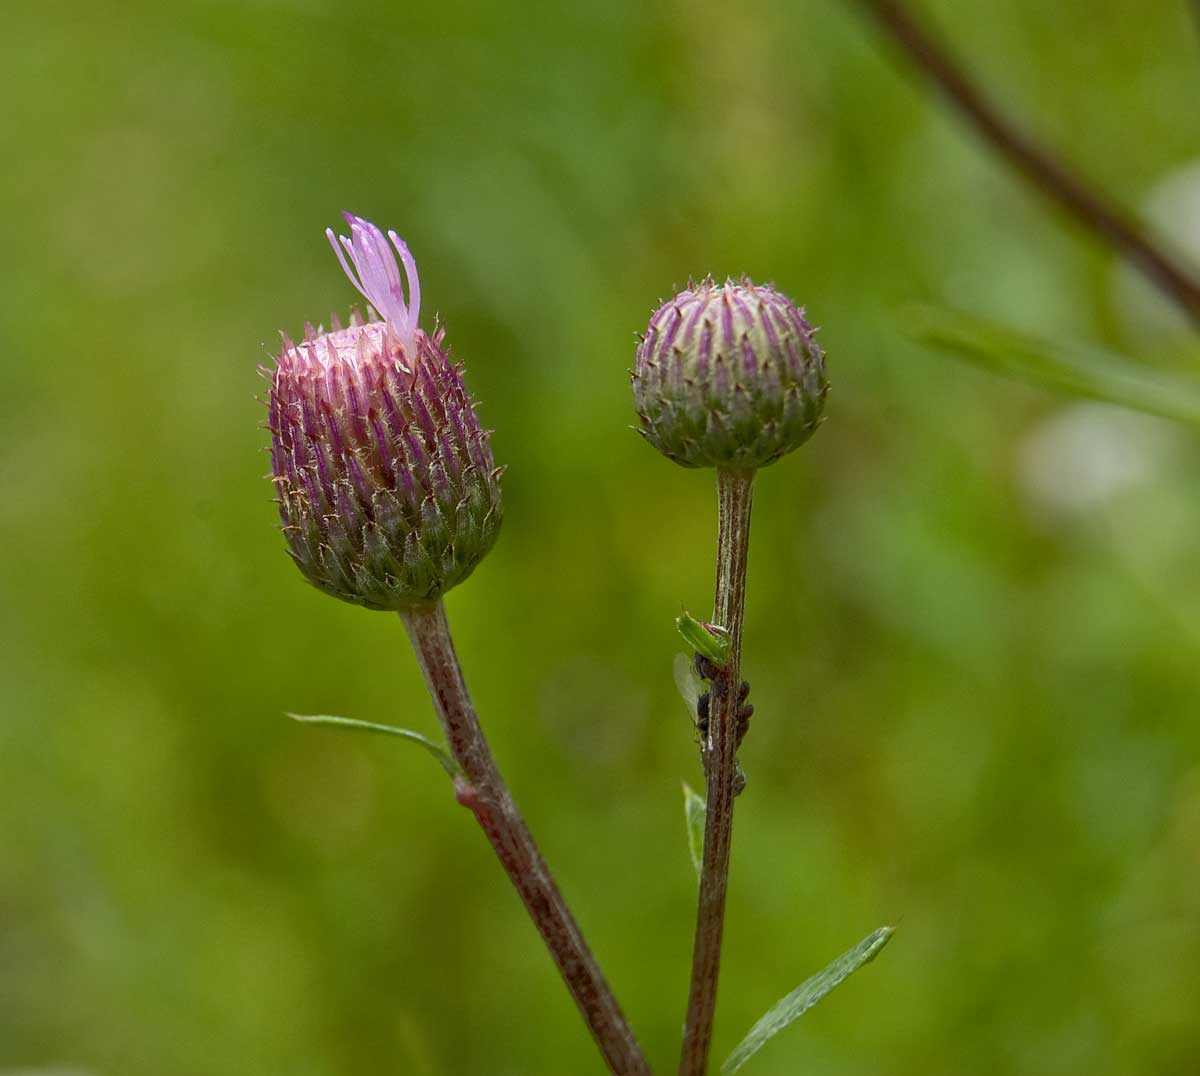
385 481
729 376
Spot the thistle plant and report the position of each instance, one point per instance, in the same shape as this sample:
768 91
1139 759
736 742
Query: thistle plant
389 496
729 377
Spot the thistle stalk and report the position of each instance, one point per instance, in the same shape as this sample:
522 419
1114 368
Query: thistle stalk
482 790
734 497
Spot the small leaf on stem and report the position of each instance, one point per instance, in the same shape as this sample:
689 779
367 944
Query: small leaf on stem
805 996
708 639
688 683
440 753
694 811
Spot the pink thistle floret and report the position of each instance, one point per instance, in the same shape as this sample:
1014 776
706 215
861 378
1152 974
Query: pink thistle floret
385 480
377 277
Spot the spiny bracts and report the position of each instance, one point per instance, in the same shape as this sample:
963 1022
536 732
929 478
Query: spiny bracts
729 376
386 485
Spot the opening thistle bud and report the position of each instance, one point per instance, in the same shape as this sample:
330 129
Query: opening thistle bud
729 376
385 480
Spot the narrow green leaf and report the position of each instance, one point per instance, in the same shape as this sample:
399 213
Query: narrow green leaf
694 812
440 753
805 996
707 639
1074 368
688 683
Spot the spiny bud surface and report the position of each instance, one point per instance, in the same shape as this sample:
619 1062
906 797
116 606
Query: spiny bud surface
385 481
729 376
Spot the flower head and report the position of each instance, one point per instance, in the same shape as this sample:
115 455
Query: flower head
728 376
386 485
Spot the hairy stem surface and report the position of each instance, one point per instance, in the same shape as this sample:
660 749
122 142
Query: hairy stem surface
481 789
734 495
1035 162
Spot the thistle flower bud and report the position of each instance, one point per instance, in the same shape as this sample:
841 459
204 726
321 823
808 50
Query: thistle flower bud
385 481
728 376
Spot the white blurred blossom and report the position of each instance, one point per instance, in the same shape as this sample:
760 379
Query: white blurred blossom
1084 455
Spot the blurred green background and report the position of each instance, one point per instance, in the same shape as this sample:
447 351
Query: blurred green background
974 608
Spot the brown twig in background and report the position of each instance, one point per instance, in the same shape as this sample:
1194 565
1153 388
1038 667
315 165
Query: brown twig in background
1038 165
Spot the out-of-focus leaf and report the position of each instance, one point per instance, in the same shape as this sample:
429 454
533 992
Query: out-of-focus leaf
1074 368
688 683
440 753
694 813
804 997
707 639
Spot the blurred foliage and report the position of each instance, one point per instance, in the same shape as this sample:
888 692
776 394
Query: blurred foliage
974 609
1067 366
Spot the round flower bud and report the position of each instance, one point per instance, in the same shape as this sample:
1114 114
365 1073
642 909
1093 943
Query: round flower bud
385 481
728 376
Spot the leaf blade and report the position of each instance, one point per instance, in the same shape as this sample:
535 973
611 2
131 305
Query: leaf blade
790 1008
688 683
440 753
695 813
707 639
1076 369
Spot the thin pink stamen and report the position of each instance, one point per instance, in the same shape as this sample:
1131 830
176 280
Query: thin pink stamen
410 273
371 267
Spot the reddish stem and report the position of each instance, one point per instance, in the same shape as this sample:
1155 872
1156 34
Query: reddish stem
735 491
482 790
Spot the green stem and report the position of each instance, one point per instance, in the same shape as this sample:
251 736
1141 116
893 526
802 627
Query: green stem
734 497
481 789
